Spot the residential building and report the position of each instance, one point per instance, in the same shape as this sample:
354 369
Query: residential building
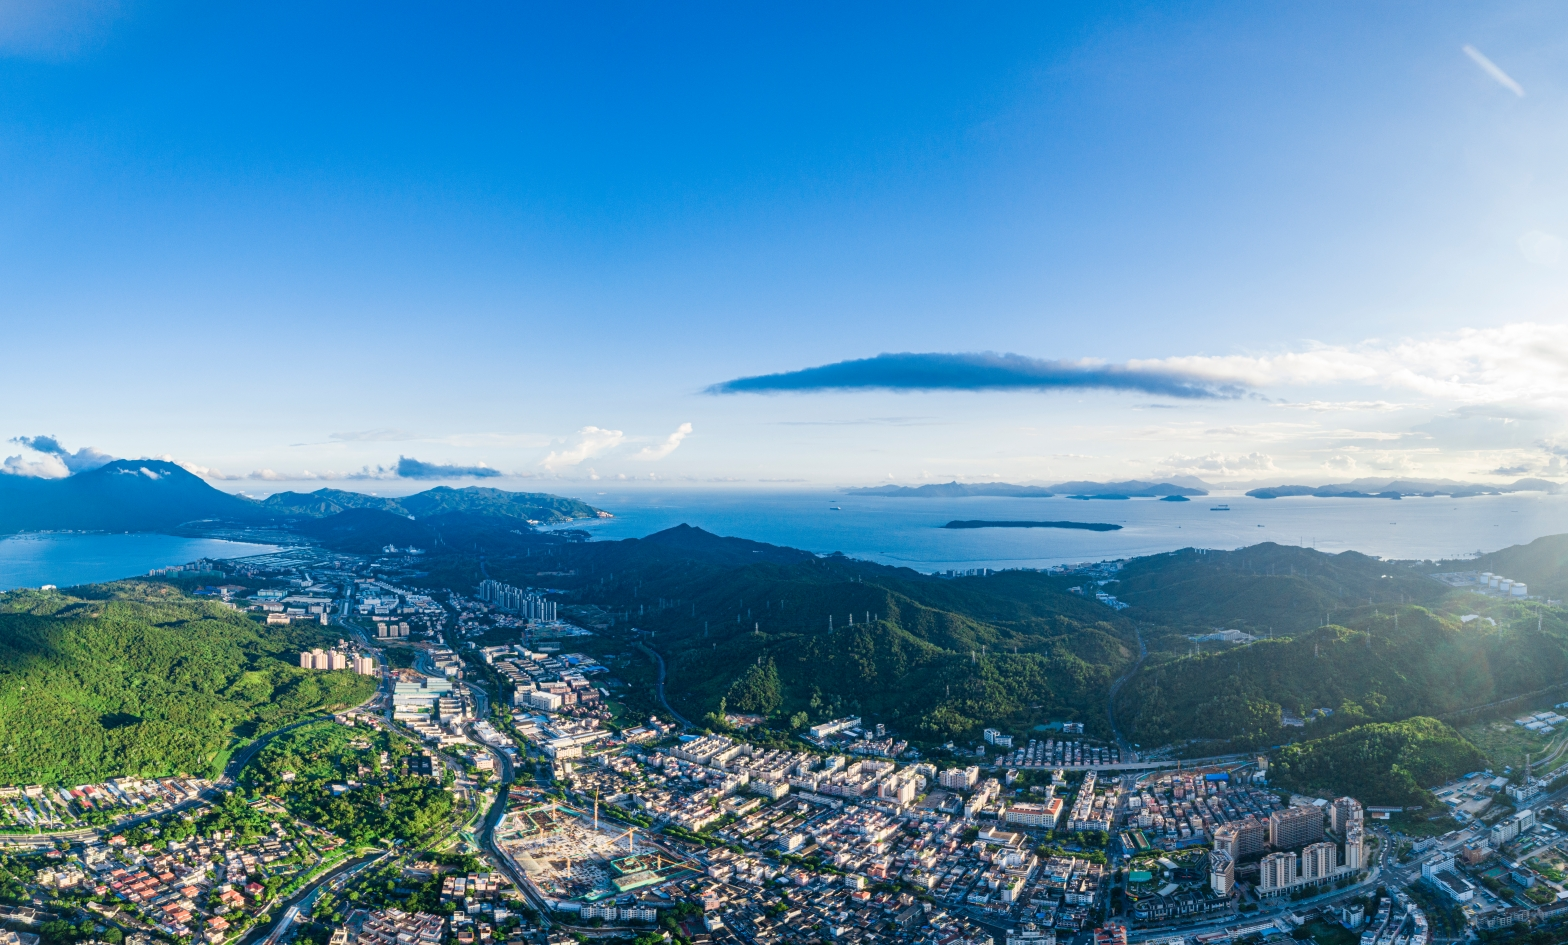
1295 827
959 779
1035 815
1276 871
1318 862
1242 838
1510 828
394 927
1222 873
1343 812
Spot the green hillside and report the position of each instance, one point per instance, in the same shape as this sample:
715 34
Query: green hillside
936 658
1542 565
135 678
1422 663
1389 764
524 507
386 803
1265 589
945 657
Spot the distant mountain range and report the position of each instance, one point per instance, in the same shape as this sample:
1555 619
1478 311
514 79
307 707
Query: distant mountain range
123 496
534 508
1398 488
1131 489
144 495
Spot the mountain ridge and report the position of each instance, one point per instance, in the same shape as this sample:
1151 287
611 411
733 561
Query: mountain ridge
1373 488
1132 488
153 495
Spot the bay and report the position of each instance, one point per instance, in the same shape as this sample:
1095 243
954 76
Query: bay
908 532
66 559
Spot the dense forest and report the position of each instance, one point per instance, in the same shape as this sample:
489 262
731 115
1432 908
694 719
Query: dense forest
136 678
940 658
382 801
1399 662
1380 763
937 659
1266 589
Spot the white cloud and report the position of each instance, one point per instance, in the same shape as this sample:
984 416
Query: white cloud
588 442
47 467
305 475
206 472
55 461
1526 362
1340 463
1219 465
1324 406
668 446
1491 68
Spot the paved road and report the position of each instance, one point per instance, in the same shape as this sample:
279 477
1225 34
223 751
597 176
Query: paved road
658 685
1110 699
487 841
230 776
301 900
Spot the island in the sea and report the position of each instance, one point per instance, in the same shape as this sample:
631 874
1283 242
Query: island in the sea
1131 489
980 523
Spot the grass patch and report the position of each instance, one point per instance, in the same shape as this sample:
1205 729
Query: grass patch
1414 825
1504 743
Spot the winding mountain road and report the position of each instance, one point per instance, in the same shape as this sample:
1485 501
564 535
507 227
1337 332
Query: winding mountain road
658 685
1110 699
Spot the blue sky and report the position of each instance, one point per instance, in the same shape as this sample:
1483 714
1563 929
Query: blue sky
302 242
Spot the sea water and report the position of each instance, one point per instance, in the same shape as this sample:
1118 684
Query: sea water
908 531
66 559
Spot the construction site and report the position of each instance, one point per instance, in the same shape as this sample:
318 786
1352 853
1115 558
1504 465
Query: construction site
572 856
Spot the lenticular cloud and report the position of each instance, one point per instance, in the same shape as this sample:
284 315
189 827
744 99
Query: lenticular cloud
983 371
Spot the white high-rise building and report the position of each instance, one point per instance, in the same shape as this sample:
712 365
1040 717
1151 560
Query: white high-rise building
1222 873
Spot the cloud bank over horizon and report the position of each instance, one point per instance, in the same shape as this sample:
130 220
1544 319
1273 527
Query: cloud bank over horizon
1473 404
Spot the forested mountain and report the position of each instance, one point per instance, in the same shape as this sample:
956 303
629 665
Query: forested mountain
1389 764
1398 488
1264 589
1542 565
154 495
939 657
533 508
124 495
1411 661
134 678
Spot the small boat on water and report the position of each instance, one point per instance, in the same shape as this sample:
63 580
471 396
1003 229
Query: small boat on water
834 508
1219 508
